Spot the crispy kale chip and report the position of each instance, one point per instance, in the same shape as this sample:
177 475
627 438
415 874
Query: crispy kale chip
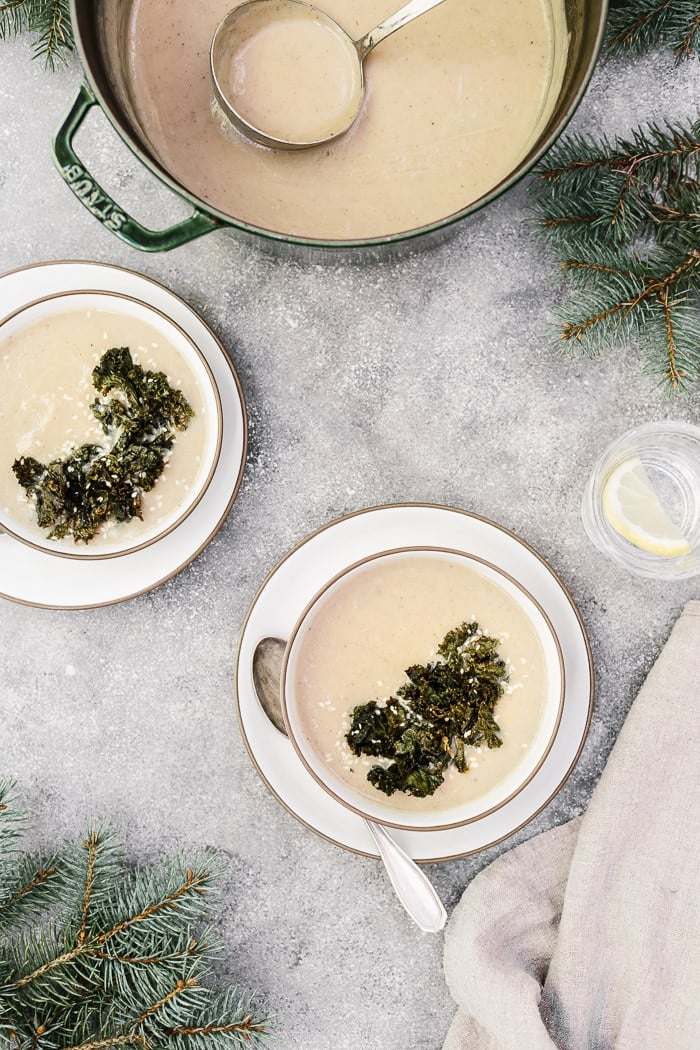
148 410
444 707
91 485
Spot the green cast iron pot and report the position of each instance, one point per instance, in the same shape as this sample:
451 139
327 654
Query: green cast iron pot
105 85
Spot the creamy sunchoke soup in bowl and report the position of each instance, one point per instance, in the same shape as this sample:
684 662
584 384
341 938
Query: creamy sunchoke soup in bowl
458 105
422 688
110 424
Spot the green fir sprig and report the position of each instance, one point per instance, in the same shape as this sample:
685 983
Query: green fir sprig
636 26
623 218
94 954
47 20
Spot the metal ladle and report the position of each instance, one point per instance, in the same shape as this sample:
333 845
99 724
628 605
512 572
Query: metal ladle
231 36
412 886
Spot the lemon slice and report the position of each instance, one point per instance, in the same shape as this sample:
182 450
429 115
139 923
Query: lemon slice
633 509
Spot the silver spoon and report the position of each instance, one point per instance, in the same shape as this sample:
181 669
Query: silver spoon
412 886
240 25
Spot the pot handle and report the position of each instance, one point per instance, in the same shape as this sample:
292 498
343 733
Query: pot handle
102 206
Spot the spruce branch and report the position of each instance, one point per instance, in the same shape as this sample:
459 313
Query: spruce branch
26 894
117 959
54 32
47 20
28 885
636 26
623 218
217 1021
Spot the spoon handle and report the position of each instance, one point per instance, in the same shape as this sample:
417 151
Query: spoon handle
396 21
412 886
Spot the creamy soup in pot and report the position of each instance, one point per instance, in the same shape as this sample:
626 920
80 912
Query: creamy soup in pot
45 396
391 614
454 101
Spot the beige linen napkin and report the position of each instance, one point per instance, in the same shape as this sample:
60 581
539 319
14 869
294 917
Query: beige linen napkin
587 937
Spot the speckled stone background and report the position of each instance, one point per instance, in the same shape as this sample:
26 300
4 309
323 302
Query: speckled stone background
432 378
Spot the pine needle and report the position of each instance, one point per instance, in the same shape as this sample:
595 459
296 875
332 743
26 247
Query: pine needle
623 218
636 26
111 957
48 21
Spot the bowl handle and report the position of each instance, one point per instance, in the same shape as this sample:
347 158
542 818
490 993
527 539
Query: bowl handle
101 205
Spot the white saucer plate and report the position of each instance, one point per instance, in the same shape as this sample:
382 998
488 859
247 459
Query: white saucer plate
320 556
33 577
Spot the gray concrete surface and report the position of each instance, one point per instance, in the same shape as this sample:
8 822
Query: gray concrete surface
364 385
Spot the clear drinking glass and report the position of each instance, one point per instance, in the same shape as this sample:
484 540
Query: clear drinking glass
641 506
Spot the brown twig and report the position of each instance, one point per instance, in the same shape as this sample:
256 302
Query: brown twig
42 876
191 883
130 1038
622 163
687 43
245 1025
58 34
577 331
90 844
180 987
626 36
569 220
665 211
578 264
192 950
74 953
672 373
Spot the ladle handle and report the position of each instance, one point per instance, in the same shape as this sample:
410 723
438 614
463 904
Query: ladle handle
396 21
413 888
99 202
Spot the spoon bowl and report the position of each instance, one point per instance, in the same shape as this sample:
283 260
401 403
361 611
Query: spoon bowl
268 660
322 92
